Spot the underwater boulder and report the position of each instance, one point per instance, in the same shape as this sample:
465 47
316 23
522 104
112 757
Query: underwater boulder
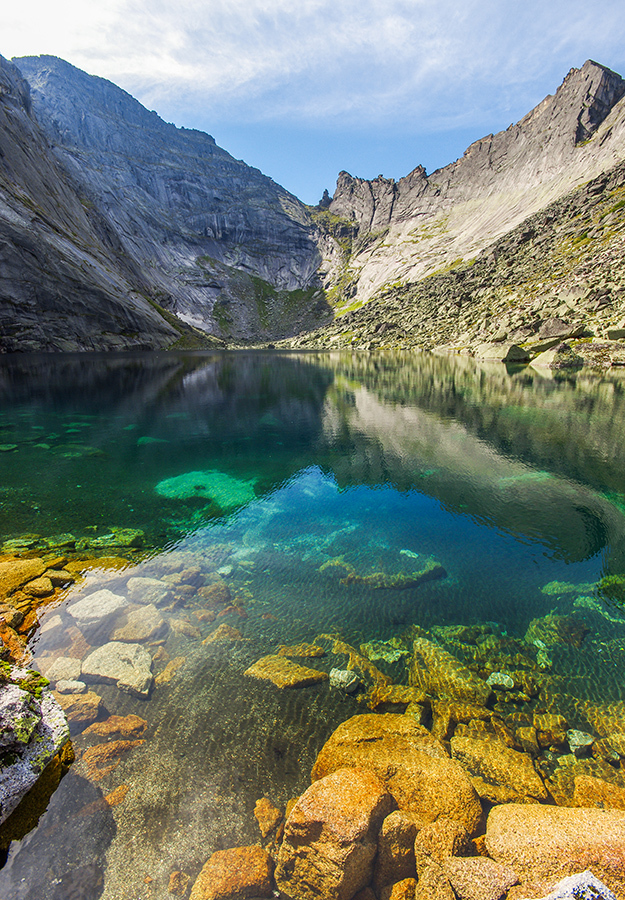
225 490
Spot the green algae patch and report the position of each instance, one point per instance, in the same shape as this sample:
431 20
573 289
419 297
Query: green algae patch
222 489
612 589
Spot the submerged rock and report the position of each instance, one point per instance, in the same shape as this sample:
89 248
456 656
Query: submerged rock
344 680
225 490
241 872
96 607
499 774
437 672
284 673
126 665
330 837
143 624
414 766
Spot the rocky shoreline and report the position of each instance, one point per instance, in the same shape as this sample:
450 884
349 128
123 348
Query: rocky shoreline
474 775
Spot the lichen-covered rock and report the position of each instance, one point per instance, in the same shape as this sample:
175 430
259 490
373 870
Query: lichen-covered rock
240 873
541 842
437 672
330 837
414 766
34 730
284 673
499 774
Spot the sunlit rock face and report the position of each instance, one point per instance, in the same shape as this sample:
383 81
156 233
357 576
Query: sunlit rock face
419 225
224 244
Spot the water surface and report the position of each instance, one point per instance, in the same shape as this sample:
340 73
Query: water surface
277 475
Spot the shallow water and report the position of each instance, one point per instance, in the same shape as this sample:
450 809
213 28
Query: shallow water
300 469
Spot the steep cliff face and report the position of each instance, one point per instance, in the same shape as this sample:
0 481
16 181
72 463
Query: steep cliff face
422 224
64 283
229 250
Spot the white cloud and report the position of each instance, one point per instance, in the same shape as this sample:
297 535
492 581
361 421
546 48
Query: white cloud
369 62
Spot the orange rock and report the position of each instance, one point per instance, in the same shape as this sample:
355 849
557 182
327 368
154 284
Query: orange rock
170 670
242 872
127 726
101 759
178 883
330 836
414 766
39 587
498 773
307 651
396 858
93 563
438 841
204 615
80 709
551 729
590 791
14 573
434 885
479 878
15 644
437 672
449 713
401 890
117 796
395 698
267 815
284 673
542 842
223 633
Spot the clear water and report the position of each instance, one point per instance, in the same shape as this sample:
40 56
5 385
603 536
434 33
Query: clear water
509 479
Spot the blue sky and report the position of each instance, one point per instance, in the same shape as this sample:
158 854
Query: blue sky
304 89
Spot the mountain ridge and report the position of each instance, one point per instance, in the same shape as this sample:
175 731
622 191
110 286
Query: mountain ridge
162 236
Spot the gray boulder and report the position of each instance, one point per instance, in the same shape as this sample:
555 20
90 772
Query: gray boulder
129 666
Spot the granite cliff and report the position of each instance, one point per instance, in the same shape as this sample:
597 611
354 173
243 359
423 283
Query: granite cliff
224 247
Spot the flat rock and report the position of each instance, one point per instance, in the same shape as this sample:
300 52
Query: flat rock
129 666
542 842
80 709
236 874
143 624
478 878
499 774
71 687
148 591
96 607
65 668
16 572
284 673
414 766
330 837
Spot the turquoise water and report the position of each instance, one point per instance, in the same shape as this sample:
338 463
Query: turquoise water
284 473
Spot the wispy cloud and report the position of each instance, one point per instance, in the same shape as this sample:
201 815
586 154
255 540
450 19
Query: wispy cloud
360 62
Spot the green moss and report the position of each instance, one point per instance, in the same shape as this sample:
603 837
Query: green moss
34 683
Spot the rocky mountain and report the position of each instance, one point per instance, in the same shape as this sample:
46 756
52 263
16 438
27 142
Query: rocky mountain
122 230
519 240
223 246
65 283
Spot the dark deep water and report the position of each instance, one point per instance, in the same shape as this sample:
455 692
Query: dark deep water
265 468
